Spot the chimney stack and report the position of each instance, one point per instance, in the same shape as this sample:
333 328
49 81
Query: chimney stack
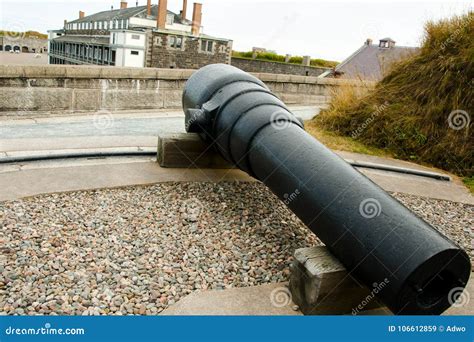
197 16
65 23
148 7
162 11
306 60
123 4
183 12
368 42
81 14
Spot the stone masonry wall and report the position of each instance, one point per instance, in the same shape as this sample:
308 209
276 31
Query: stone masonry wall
189 56
255 65
73 89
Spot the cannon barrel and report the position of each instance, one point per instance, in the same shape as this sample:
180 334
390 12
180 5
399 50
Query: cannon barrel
372 234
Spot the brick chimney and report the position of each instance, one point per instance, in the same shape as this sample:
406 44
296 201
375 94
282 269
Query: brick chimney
162 11
65 23
123 4
183 11
368 42
197 16
81 14
148 7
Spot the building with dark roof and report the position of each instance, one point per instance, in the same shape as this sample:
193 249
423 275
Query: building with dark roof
141 36
371 61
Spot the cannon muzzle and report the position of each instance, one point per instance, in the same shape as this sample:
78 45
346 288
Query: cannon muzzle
372 234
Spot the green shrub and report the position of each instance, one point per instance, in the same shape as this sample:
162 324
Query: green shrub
274 57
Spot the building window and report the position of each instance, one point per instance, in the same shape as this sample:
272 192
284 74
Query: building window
119 22
113 38
175 42
133 52
206 45
169 20
136 36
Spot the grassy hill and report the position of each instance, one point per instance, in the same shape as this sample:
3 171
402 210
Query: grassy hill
27 34
423 109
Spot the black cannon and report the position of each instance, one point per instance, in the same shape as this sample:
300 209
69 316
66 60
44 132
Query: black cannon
370 232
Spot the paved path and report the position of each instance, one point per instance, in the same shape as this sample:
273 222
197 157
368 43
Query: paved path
98 130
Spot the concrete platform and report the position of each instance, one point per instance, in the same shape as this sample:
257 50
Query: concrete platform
29 179
260 300
17 181
269 299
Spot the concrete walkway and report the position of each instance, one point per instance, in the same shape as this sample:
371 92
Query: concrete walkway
32 178
139 130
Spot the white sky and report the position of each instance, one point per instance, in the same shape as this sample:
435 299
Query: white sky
322 29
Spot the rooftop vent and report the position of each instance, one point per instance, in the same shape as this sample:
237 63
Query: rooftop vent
386 43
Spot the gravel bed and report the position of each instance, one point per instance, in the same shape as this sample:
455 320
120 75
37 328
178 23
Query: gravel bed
137 250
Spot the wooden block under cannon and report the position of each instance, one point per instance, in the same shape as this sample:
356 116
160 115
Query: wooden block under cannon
187 150
320 285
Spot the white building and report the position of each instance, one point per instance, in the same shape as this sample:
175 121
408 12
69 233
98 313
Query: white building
141 36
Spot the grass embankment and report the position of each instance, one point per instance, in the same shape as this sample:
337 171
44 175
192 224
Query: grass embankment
273 57
27 34
422 110
341 143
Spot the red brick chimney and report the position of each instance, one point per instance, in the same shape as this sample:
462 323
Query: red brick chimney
148 7
162 11
197 16
183 12
123 4
81 14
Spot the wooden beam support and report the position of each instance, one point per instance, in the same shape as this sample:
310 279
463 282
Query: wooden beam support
320 285
187 150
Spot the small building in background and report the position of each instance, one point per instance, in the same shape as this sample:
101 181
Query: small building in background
140 36
371 61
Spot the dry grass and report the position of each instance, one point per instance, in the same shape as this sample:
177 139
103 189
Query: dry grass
408 112
341 143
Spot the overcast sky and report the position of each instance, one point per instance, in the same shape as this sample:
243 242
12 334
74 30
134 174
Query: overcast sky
322 29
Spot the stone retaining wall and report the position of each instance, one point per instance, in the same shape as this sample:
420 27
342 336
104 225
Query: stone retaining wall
256 65
71 89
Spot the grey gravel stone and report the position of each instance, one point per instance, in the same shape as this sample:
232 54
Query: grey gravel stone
137 250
